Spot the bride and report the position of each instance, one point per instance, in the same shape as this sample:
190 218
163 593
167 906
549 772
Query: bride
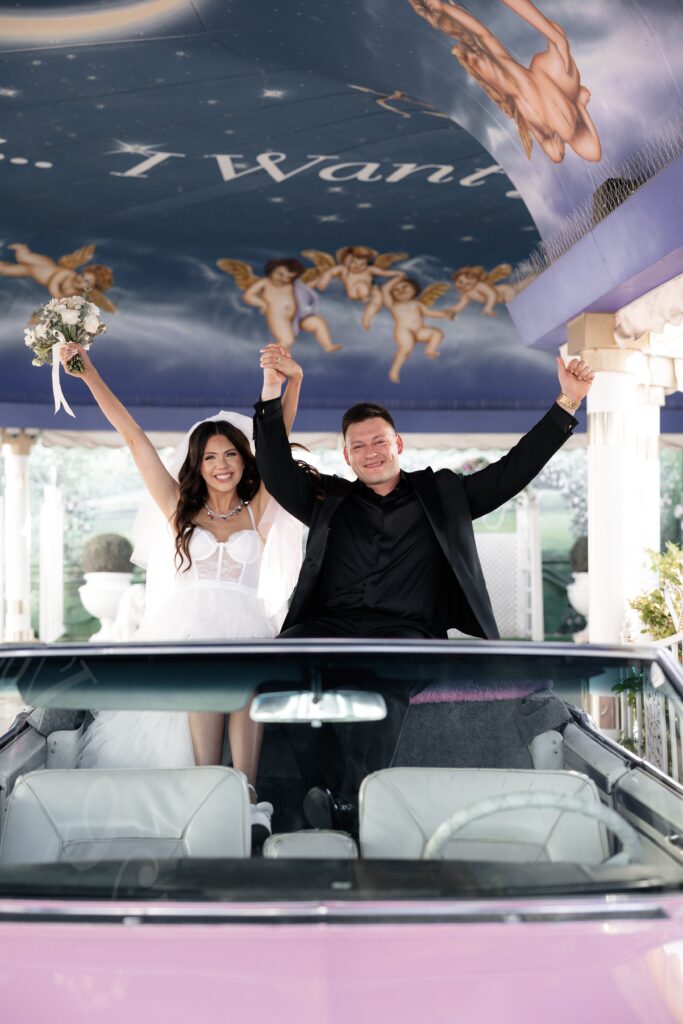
222 558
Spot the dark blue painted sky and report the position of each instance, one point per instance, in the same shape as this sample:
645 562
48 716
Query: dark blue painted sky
146 142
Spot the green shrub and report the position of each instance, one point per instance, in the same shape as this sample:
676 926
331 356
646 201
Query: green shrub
661 610
107 552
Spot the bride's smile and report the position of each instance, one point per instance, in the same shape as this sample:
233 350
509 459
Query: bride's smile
221 467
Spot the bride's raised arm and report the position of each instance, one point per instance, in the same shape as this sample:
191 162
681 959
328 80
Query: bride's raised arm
278 367
158 481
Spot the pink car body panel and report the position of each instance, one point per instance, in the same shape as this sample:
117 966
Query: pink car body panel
619 969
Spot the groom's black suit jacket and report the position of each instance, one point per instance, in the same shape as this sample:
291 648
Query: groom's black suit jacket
451 502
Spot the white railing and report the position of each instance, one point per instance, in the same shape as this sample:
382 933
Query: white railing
652 724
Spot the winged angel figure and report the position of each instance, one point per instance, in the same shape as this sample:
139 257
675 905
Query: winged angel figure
409 305
285 296
478 285
356 266
71 274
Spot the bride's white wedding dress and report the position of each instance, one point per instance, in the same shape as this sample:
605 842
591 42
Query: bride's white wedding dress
220 597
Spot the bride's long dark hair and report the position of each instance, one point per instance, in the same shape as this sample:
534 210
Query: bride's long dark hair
193 492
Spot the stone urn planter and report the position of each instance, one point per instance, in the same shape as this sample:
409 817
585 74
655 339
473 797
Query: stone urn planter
108 575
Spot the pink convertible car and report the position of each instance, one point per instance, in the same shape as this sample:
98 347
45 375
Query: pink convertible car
512 864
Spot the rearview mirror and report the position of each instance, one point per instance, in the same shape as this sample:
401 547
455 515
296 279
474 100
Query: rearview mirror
306 706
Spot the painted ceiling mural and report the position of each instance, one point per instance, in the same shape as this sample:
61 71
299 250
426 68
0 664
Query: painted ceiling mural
356 179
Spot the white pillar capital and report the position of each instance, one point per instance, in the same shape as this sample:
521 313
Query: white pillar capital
591 336
623 465
18 442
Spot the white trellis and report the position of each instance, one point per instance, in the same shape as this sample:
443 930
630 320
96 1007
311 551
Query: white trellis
513 571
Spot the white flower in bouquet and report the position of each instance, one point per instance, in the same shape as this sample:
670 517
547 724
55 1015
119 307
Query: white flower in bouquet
71 319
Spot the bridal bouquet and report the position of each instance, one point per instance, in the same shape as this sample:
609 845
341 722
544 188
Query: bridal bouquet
60 321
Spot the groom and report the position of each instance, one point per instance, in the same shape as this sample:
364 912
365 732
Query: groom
390 554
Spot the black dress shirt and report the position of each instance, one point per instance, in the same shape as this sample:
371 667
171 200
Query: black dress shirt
382 562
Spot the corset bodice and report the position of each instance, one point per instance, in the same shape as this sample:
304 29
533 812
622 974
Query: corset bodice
236 560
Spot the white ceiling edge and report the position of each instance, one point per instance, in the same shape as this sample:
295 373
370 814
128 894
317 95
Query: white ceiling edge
313 441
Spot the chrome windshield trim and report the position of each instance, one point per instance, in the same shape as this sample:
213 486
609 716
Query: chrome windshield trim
598 909
473 646
635 760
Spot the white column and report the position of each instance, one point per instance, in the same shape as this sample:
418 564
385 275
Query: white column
623 496
51 547
17 539
623 467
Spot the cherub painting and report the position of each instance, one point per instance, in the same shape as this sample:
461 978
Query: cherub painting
546 101
285 298
478 285
63 277
356 266
409 305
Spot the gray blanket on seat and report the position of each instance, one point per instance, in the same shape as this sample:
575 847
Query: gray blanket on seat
478 734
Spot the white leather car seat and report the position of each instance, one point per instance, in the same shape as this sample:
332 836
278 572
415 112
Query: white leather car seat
400 808
74 815
311 843
547 750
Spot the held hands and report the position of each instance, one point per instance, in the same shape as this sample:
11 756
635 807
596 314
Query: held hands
575 378
277 365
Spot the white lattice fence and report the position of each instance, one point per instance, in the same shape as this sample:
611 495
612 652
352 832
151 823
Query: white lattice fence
512 568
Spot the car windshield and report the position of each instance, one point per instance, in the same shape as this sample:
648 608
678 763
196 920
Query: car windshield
388 770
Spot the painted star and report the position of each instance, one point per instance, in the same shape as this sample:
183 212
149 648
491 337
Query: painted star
329 218
9 92
467 238
513 194
135 148
408 227
364 206
211 103
272 94
337 188
275 199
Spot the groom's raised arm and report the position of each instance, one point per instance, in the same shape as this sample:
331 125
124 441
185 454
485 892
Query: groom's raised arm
289 483
492 487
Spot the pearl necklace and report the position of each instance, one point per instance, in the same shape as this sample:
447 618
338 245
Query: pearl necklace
224 515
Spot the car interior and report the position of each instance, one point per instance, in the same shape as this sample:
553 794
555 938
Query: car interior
511 775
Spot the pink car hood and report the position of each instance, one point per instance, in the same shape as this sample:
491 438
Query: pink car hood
577 971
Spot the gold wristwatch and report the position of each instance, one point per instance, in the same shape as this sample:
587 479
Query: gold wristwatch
570 404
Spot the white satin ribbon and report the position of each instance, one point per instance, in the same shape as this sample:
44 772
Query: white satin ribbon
60 400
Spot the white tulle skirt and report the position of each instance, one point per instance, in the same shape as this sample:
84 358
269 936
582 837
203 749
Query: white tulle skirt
161 739
207 610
